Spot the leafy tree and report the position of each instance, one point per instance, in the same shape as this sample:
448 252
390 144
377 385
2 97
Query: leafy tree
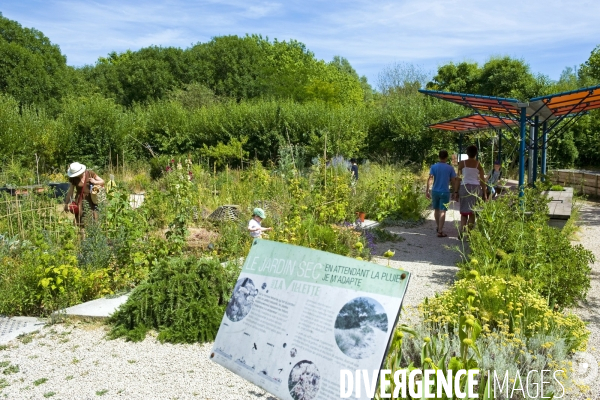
32 69
464 77
333 85
229 65
138 77
343 65
286 70
499 76
507 77
590 70
568 81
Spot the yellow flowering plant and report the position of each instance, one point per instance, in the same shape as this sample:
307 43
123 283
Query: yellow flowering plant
509 304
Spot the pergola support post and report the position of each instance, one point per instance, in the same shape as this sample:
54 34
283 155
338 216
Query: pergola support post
536 129
522 151
544 149
500 146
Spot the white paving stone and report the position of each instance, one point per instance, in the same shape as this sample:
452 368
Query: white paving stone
12 327
99 308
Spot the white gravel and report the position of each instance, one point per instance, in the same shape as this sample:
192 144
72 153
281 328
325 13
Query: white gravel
431 260
79 363
589 311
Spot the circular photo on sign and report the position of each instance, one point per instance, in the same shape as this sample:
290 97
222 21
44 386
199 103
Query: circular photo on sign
360 325
242 299
304 381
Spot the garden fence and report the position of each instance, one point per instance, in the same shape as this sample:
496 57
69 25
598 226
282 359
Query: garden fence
583 182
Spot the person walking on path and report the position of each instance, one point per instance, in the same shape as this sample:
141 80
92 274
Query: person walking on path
472 187
82 180
494 179
442 175
254 226
353 175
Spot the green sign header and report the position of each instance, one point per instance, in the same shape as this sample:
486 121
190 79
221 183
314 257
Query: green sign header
301 268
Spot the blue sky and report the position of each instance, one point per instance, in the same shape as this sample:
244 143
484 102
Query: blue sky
550 35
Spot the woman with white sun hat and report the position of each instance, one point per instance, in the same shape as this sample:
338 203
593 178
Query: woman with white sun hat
82 180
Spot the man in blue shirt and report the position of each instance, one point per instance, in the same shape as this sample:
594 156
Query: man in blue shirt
442 175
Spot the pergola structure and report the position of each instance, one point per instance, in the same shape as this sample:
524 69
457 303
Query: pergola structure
546 112
476 123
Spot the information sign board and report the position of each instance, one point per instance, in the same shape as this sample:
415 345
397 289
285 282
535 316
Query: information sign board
298 316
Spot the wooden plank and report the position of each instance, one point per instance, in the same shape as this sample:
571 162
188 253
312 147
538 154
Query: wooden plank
590 180
563 176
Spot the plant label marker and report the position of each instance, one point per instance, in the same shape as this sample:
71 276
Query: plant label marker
299 318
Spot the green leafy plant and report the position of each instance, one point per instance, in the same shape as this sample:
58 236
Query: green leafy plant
427 347
466 328
504 304
11 369
389 192
40 381
184 299
512 237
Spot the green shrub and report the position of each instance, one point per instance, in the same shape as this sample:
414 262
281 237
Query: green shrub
158 166
44 276
184 299
490 324
512 237
429 347
389 192
510 304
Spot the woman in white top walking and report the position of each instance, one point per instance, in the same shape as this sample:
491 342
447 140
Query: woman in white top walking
472 186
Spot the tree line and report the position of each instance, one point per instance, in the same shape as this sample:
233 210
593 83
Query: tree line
249 96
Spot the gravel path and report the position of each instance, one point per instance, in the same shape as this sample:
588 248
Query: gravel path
430 260
589 311
79 363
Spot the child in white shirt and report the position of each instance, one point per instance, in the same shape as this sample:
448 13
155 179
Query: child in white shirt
254 227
